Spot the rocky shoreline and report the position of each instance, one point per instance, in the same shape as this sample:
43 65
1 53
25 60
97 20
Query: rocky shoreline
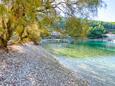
30 65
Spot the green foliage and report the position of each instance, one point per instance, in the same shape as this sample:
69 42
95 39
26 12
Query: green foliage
17 15
97 32
113 32
45 33
33 33
73 27
109 26
76 27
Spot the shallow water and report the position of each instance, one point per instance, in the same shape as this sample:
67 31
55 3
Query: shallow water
93 60
98 71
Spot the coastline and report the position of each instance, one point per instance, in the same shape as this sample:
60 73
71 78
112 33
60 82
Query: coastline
30 65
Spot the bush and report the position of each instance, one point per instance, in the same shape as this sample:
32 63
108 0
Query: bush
33 33
97 32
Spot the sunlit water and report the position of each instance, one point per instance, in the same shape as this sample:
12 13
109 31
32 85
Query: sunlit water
93 60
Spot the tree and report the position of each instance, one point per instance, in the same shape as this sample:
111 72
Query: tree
77 27
97 32
18 15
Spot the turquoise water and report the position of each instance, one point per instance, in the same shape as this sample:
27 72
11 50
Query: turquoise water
86 49
94 61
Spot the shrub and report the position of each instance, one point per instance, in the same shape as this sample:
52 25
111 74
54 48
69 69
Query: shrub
96 32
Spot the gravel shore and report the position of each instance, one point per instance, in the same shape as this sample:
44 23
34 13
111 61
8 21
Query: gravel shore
30 65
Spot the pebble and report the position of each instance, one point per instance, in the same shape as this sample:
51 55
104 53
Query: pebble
33 66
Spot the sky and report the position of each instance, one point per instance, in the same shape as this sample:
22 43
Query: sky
108 13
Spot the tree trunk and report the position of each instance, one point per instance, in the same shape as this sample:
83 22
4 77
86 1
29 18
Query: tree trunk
5 37
3 45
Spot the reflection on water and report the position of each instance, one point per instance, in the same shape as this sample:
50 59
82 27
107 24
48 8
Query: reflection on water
84 49
98 71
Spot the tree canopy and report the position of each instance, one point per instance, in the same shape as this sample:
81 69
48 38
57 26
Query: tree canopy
26 17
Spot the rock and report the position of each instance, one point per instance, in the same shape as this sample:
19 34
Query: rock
30 65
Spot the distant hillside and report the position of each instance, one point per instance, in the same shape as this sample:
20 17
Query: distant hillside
109 26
